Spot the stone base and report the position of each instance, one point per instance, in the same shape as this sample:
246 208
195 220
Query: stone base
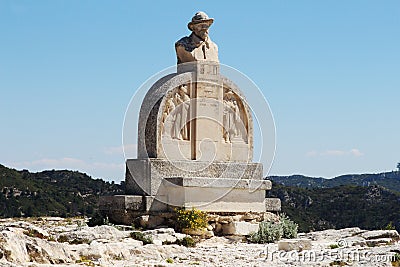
215 195
144 176
220 223
157 186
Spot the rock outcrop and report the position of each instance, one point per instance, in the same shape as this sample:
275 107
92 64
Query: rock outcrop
70 242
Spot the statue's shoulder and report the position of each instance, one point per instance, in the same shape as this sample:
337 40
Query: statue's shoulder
211 43
184 41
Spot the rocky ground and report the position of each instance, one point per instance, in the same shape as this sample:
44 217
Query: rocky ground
70 242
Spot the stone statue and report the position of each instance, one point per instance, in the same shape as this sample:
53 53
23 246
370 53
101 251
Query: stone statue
231 117
180 127
198 45
169 108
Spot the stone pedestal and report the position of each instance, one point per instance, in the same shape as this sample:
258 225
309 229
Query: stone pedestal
156 186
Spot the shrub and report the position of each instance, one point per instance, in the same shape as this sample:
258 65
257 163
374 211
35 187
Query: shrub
97 219
62 239
169 260
192 219
333 246
390 226
187 241
34 233
269 232
289 227
78 241
142 237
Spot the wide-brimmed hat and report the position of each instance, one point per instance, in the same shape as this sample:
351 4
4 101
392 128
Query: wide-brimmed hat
200 17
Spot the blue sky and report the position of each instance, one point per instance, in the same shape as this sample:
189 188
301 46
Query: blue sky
330 71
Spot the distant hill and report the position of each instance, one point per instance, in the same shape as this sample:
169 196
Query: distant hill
371 207
51 193
368 201
389 180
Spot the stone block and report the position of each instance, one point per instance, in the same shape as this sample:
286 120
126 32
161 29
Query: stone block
215 195
144 176
298 244
239 228
130 202
379 242
376 234
272 204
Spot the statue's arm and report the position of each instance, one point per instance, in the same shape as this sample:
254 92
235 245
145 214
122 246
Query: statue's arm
182 54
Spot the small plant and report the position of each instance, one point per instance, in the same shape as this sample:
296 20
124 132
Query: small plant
396 260
268 232
51 238
337 263
191 219
118 257
62 239
142 237
34 233
390 226
289 227
333 246
187 241
98 219
78 241
85 261
169 260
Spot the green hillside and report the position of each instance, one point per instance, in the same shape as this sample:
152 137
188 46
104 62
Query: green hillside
367 207
51 193
389 180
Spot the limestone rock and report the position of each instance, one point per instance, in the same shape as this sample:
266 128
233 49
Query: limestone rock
203 233
393 234
239 228
299 244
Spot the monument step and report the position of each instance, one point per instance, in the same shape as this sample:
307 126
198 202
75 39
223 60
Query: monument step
250 184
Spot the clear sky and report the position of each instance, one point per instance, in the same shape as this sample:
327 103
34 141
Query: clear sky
330 71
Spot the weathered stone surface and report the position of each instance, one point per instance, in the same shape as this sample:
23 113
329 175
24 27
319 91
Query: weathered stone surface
21 250
144 176
377 234
215 195
294 244
272 204
239 228
378 242
157 120
203 233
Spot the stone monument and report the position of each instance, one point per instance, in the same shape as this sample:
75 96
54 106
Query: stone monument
195 141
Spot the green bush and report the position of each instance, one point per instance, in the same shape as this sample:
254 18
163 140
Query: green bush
269 232
142 237
390 226
192 219
187 241
97 219
289 227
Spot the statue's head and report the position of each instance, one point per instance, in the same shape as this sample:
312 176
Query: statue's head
200 24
